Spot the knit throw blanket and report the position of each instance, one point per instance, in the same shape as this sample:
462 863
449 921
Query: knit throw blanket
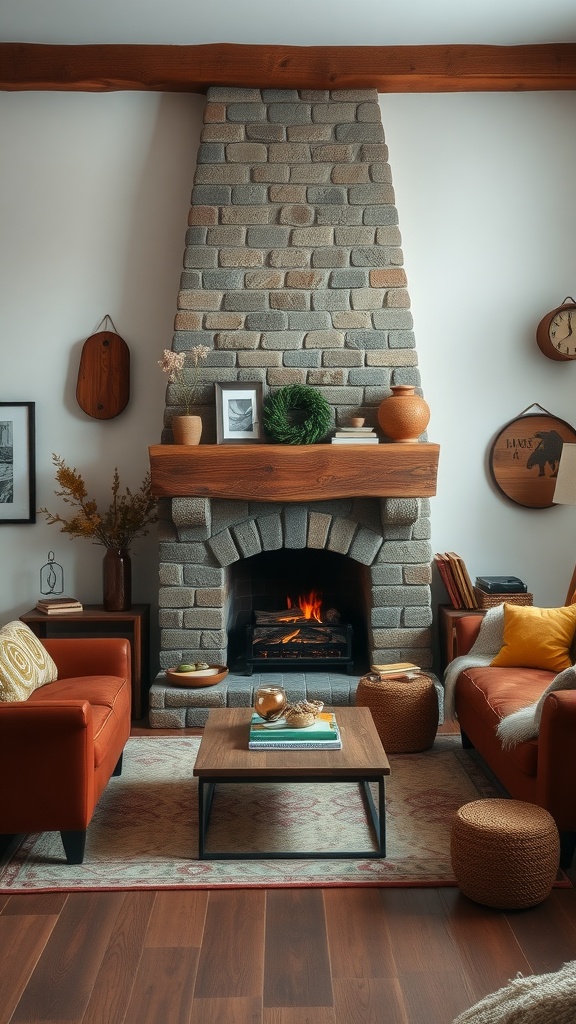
483 650
539 999
520 725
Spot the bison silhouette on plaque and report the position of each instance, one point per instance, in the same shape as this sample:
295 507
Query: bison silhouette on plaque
525 455
547 452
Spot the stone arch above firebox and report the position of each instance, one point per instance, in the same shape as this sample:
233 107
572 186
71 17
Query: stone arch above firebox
389 537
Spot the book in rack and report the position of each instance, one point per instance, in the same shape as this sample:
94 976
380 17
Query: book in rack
456 579
323 734
445 570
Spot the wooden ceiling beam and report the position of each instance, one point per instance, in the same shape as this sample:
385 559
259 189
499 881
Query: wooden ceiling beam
395 69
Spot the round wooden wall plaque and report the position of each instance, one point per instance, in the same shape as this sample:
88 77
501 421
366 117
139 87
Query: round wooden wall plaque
525 455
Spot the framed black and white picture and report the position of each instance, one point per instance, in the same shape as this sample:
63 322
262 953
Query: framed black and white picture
238 412
17 463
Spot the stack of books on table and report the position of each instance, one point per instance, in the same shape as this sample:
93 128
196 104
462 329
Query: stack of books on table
58 605
356 435
323 734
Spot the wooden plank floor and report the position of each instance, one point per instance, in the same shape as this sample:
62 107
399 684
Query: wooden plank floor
276 956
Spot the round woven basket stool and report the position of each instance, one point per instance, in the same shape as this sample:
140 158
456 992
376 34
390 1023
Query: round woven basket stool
505 853
405 711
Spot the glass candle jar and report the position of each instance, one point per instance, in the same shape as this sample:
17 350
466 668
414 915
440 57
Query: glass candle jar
270 702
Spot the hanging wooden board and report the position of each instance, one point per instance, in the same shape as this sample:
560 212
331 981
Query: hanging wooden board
103 387
525 455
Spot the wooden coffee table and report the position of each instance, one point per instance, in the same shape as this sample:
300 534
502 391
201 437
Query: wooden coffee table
224 757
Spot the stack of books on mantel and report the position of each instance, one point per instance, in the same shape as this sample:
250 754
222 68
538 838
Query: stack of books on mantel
356 435
58 605
323 734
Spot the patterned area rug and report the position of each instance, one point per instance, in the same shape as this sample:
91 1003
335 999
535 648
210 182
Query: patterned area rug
144 831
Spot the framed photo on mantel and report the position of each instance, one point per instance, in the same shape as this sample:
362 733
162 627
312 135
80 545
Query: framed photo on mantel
238 412
17 463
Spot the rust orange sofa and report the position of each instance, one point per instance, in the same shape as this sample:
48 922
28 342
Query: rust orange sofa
540 770
59 747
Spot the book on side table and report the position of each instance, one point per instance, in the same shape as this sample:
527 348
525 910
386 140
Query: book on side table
323 734
58 605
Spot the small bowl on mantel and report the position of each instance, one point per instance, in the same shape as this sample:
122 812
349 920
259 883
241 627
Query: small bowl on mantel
198 677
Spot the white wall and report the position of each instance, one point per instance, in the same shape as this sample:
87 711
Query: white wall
94 195
485 198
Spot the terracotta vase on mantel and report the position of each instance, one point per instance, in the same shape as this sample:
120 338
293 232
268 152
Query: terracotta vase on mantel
403 415
187 429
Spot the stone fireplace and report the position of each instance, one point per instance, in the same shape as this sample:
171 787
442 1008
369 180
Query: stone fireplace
292 275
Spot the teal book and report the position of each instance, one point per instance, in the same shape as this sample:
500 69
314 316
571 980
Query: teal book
324 728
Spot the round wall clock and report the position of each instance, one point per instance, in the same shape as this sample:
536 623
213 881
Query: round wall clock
556 332
525 455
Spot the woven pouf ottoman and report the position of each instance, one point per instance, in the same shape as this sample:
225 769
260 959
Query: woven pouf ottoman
505 853
405 711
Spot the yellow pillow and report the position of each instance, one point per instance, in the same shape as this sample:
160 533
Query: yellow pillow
537 637
24 663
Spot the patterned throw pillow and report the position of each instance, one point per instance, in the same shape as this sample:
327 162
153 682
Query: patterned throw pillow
24 663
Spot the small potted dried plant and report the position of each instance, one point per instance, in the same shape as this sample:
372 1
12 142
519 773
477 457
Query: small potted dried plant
184 378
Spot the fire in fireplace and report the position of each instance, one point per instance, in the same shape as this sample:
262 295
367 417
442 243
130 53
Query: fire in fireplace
297 610
301 635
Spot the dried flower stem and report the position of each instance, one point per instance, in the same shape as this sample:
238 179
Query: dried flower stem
127 517
186 381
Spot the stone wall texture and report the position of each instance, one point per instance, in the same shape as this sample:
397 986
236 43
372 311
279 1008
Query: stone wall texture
293 266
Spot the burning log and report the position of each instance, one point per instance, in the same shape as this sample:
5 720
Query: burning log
287 615
290 615
307 635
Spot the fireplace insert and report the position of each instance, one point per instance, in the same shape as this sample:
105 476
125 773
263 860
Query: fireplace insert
299 636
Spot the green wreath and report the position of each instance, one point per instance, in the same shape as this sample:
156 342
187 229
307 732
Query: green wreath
296 398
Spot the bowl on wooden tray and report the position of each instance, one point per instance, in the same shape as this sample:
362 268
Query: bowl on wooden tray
206 675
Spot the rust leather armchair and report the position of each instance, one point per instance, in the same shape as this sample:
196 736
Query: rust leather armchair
59 748
539 770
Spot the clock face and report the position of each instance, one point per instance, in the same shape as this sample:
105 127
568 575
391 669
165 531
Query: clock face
556 332
562 331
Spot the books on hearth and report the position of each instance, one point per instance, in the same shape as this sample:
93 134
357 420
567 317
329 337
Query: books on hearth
58 605
323 734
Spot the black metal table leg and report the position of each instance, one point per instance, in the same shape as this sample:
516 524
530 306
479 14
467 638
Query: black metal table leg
204 808
377 817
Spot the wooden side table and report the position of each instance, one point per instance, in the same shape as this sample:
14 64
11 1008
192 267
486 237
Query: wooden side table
447 616
93 620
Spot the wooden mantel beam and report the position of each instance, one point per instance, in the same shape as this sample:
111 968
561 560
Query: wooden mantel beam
162 68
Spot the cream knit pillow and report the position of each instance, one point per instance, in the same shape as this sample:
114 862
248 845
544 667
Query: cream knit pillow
24 663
